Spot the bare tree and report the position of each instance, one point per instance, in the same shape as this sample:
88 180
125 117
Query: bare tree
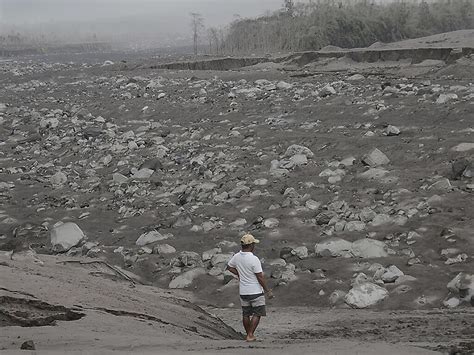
197 24
213 34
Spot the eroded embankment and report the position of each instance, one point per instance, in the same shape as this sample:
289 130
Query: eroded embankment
416 55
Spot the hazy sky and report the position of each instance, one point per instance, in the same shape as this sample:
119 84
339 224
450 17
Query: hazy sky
164 21
215 11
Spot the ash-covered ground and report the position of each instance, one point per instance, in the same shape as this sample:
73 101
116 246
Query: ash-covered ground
356 177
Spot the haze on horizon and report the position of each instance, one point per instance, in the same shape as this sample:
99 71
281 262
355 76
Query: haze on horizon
122 19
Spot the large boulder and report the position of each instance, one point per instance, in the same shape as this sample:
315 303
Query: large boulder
463 147
354 226
209 254
163 249
337 297
356 77
327 90
187 259
362 248
463 285
444 98
221 259
58 179
152 164
141 174
65 236
458 167
380 220
365 295
285 274
333 247
284 85
374 174
375 158
391 274
298 149
369 248
186 279
150 237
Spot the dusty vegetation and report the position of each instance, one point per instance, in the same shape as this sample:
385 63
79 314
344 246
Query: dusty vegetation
345 24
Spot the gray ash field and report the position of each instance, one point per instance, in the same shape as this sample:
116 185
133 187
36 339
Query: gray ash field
356 177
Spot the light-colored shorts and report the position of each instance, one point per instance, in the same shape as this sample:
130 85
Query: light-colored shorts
255 307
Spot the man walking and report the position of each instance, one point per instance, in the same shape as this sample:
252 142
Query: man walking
252 285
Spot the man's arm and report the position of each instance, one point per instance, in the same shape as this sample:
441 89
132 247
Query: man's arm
232 270
263 283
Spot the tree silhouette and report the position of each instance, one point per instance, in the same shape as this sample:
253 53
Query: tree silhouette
197 24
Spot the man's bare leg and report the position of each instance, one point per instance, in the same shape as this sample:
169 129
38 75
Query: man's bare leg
247 323
253 326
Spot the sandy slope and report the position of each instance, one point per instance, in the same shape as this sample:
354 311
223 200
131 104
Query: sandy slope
139 322
462 38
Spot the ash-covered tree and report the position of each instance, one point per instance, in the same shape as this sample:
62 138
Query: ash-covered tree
197 24
289 7
213 36
425 18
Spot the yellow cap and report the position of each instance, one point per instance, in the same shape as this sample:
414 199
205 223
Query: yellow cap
249 239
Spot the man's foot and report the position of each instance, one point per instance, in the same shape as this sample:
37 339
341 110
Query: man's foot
250 338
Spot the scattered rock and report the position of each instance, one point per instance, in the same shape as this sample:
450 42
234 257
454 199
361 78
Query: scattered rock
312 205
301 252
187 278
365 295
142 174
463 147
221 259
374 174
150 237
64 236
392 273
337 297
444 98
58 179
375 158
356 77
284 86
28 345
298 150
442 184
164 249
463 285
334 247
460 167
327 90
354 226
453 302
391 131
271 223
369 248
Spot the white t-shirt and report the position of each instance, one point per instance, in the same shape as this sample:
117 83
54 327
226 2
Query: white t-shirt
247 265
